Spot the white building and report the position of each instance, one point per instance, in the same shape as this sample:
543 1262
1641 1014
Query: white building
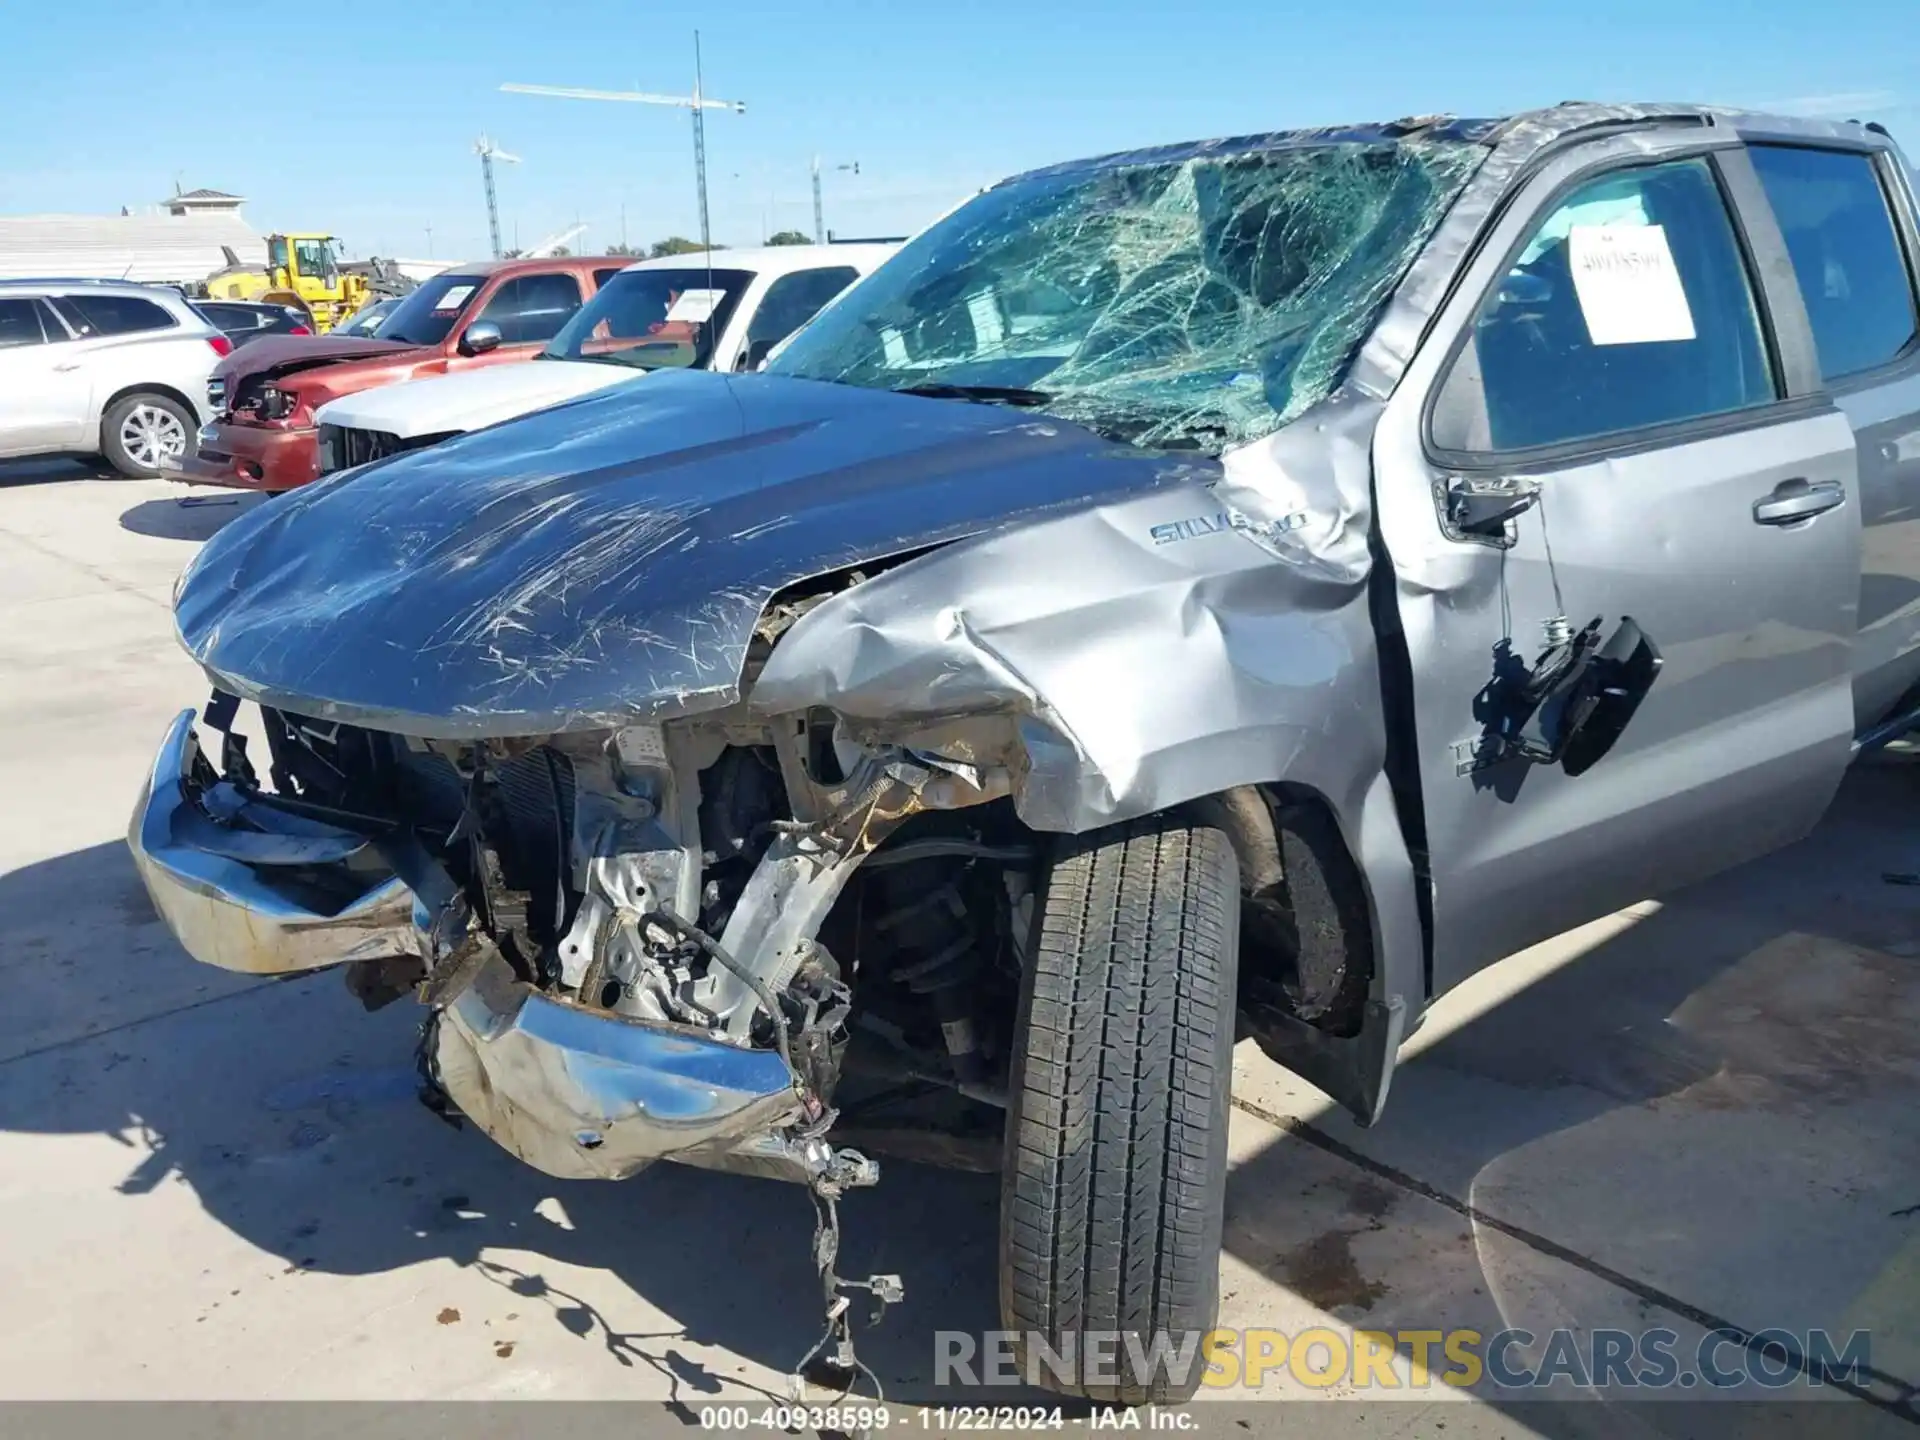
180 240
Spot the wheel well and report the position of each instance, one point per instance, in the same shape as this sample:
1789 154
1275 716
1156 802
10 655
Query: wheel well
1307 931
151 388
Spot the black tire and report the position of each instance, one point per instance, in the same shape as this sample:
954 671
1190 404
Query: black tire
113 431
1113 1193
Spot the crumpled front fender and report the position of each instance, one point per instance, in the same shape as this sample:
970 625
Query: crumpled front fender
1152 651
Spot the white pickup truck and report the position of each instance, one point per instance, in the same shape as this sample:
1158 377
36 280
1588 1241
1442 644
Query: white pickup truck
678 312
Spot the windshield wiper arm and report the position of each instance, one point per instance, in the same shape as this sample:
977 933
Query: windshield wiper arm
981 394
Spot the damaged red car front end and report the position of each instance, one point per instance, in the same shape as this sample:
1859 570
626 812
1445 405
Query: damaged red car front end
264 437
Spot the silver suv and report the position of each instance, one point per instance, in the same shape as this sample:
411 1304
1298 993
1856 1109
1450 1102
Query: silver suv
101 367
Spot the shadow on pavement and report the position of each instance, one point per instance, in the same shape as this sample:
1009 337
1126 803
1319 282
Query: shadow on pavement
292 1116
47 469
1714 1106
196 516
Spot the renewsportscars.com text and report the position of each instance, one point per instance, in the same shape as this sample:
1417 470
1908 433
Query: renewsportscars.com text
1325 1356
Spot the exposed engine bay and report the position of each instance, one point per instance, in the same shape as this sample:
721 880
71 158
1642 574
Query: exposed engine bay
855 897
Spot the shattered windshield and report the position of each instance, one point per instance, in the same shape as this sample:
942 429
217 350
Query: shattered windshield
1199 302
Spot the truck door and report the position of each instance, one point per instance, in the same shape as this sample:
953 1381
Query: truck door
1846 216
1627 369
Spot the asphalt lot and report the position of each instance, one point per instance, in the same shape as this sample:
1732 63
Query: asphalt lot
1696 1112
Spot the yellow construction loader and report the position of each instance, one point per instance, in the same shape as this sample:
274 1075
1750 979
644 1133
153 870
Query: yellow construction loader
303 271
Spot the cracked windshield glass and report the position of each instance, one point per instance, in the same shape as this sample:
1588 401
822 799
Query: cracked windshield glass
1196 303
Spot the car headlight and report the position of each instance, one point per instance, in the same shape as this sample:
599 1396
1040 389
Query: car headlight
275 403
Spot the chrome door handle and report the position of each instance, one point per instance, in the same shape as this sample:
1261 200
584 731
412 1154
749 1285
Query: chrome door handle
69 365
1796 500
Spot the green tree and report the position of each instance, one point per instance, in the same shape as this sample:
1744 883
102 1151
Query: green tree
625 249
789 237
677 245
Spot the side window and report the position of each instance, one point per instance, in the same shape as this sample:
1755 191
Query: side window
92 315
20 324
601 277
1846 254
793 300
532 308
1628 306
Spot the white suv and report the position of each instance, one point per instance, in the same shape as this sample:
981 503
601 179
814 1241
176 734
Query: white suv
92 367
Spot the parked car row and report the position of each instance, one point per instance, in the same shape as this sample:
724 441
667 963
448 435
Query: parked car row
443 360
227 392
1233 588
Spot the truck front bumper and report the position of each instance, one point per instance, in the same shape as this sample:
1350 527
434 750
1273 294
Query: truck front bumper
577 1093
258 891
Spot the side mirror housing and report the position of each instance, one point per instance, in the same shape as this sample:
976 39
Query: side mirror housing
480 337
755 355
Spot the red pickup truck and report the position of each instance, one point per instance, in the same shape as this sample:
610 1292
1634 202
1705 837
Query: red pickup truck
264 395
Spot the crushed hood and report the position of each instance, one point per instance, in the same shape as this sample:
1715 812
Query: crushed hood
284 354
609 559
444 404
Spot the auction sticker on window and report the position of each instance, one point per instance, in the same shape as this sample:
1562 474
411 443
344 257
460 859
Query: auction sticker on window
693 306
1627 284
453 299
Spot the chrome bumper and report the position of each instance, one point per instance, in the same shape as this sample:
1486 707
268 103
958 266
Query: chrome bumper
585 1095
576 1093
260 891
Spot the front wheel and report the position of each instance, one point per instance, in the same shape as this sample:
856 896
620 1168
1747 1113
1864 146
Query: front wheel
1113 1197
139 431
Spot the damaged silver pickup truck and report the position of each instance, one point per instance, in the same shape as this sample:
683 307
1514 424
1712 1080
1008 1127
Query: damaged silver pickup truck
1231 590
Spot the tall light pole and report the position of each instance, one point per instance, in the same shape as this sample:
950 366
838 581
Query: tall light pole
819 212
697 102
488 153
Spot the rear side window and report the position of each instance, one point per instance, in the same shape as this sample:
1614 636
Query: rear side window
92 315
601 277
1629 306
231 317
533 308
1846 254
20 324
794 299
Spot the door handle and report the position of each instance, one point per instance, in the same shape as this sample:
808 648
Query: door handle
67 365
1796 500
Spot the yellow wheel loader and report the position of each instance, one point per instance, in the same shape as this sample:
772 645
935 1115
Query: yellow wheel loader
303 271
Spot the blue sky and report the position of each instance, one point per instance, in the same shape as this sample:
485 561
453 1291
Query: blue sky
365 126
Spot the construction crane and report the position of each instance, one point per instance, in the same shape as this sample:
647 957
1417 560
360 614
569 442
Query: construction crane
698 102
819 211
488 153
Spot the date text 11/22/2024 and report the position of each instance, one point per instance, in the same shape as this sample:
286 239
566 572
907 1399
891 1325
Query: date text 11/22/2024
940 1419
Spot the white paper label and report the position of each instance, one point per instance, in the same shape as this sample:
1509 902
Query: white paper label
1628 287
453 299
694 306
641 745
